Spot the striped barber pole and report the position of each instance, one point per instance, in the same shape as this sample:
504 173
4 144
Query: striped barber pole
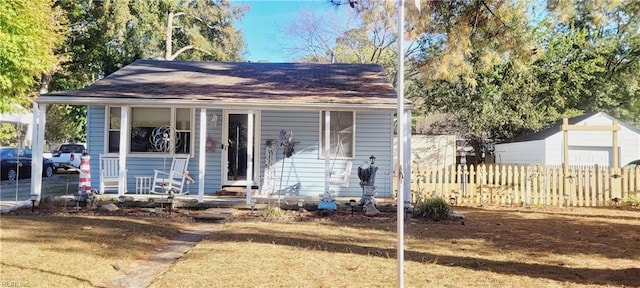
84 181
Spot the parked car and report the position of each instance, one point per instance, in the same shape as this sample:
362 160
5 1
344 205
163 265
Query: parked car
16 163
68 155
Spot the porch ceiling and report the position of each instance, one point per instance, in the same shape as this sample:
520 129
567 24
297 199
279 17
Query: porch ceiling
240 84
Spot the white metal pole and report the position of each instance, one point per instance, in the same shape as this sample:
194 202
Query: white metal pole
400 137
250 144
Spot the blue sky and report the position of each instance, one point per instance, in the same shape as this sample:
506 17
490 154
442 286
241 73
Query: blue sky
262 25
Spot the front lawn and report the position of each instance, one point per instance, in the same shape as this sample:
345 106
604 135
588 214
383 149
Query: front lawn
496 247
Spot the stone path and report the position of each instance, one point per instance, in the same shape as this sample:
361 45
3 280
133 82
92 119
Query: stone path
160 262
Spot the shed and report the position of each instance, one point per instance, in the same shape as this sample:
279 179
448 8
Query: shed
586 146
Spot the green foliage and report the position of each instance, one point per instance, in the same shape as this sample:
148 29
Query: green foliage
8 134
632 201
433 208
496 73
66 123
29 35
272 212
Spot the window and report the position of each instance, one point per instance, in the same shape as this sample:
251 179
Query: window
113 130
341 133
149 127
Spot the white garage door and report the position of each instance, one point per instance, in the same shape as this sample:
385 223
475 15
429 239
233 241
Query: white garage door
587 155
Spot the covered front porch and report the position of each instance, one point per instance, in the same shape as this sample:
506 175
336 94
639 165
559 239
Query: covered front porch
238 125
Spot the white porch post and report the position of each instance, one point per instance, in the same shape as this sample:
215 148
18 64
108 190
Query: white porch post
327 163
250 144
202 156
122 154
37 147
401 128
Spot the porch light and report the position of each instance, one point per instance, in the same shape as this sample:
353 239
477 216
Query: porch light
372 159
34 198
352 203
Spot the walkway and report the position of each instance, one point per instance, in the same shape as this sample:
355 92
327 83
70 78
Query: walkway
165 257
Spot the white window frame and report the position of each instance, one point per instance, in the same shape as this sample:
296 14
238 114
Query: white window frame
321 136
173 110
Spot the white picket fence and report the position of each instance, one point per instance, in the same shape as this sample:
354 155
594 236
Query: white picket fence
527 185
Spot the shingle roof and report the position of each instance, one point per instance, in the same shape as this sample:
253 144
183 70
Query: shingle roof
242 81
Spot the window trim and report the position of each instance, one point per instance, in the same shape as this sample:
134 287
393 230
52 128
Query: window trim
321 136
173 111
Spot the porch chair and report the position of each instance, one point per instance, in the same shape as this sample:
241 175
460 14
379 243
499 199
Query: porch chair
109 173
341 178
172 181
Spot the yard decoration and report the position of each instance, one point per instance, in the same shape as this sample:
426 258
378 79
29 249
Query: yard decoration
268 186
164 139
286 142
328 201
367 175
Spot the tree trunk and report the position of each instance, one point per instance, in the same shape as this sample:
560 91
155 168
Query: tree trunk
168 37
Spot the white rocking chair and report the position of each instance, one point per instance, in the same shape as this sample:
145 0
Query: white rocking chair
172 181
341 178
109 173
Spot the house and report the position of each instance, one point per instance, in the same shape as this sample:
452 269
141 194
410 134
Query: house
432 151
234 121
590 142
22 118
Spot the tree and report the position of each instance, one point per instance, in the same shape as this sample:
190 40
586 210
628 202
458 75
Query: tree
29 35
312 37
496 72
105 36
204 30
595 54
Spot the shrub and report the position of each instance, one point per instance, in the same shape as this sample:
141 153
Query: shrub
632 201
272 212
433 208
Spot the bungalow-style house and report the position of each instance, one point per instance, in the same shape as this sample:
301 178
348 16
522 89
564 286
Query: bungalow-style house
591 139
253 125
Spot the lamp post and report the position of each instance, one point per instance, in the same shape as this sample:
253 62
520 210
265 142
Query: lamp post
352 203
170 200
34 198
253 206
300 206
121 199
511 195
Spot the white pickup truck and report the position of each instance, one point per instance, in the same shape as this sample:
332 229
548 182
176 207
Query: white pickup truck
68 155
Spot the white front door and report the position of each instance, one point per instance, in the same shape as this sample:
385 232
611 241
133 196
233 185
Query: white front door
235 155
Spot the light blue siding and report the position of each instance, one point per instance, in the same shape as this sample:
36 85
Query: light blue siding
374 136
